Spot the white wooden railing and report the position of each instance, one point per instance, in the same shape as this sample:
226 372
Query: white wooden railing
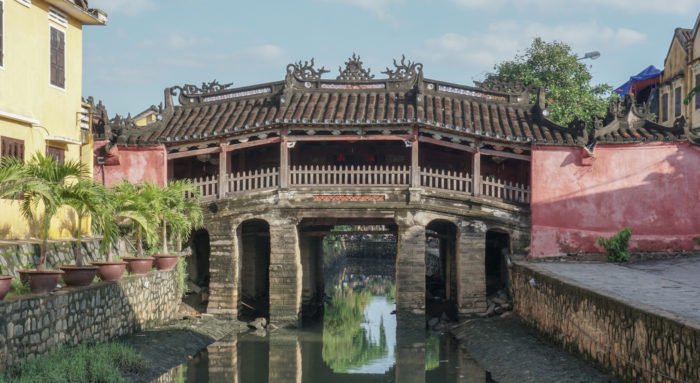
253 180
446 180
208 186
376 175
371 175
505 190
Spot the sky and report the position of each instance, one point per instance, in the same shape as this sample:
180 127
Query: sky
149 45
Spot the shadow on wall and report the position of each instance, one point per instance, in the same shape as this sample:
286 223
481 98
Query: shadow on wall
654 190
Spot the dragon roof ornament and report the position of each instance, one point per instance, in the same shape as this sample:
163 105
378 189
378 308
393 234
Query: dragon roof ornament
405 70
206 88
306 71
354 71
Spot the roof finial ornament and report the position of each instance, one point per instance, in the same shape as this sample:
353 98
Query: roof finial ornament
306 71
354 71
406 70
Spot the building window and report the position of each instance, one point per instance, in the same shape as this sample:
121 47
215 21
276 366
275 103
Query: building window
2 35
677 102
697 94
58 154
58 58
12 148
664 107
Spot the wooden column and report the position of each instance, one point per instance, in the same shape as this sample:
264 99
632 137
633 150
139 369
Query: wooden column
415 171
476 173
284 160
223 176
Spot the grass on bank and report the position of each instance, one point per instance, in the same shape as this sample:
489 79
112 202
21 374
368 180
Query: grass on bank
104 363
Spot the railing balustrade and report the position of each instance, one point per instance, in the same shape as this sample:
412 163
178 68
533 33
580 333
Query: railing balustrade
442 179
368 176
505 190
341 175
208 186
253 180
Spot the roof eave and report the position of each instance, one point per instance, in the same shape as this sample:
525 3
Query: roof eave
86 17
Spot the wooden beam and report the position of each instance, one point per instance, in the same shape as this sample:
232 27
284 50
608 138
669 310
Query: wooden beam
250 144
497 153
446 144
284 160
223 174
415 174
351 138
476 173
192 153
225 147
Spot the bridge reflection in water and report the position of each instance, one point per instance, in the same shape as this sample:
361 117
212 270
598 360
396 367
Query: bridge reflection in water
360 339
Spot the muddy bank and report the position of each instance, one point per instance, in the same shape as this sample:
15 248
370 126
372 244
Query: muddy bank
514 353
173 344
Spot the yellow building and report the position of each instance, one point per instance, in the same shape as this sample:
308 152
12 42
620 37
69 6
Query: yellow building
41 108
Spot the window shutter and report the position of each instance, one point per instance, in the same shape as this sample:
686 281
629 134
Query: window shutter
677 102
58 44
697 94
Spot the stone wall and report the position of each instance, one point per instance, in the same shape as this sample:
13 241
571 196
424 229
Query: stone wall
24 255
34 325
635 344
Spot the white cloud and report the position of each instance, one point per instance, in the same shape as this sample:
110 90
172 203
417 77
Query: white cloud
266 52
503 40
125 7
181 41
627 6
379 8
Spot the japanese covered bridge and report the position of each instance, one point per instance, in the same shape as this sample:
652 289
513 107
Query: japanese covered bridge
281 164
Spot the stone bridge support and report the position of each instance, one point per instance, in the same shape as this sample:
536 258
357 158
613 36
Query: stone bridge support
285 272
471 279
410 267
223 267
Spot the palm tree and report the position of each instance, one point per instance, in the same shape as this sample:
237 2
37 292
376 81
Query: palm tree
89 199
177 214
132 209
49 180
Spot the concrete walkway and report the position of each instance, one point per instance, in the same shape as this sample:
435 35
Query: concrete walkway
671 286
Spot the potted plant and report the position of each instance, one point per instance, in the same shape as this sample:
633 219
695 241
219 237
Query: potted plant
178 212
41 200
111 269
5 284
140 219
87 198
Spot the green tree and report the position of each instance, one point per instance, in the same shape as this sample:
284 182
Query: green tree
177 214
88 199
566 81
133 210
45 194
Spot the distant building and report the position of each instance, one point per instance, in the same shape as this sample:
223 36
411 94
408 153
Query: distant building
41 107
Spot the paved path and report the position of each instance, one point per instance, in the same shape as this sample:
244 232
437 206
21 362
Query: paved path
672 285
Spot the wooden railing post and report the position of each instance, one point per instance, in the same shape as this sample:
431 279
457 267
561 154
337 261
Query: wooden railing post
222 171
284 160
476 173
415 170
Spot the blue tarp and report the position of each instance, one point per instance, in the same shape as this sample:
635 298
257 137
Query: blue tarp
649 73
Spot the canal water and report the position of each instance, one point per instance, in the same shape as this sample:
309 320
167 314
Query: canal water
359 339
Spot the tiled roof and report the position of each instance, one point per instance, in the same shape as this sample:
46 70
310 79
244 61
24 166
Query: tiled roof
304 100
355 99
627 124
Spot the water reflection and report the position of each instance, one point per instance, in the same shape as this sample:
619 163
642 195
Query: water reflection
360 339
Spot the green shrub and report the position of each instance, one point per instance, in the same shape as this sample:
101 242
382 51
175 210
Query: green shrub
181 275
616 246
105 363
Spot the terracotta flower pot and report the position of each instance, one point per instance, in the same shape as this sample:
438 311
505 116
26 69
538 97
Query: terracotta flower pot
23 277
76 276
110 271
5 284
138 265
165 261
41 281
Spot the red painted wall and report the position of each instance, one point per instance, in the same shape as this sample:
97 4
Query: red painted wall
652 188
135 164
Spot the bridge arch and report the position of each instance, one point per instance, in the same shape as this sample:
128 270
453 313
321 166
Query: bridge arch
198 264
253 236
498 248
441 267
